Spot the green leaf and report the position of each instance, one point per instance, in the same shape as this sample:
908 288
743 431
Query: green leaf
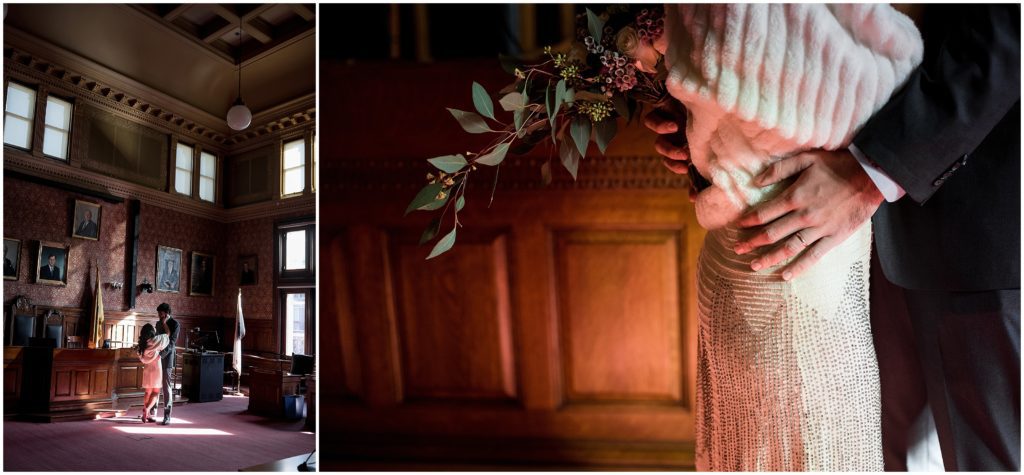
559 95
482 101
512 101
580 130
621 107
604 132
495 156
545 172
570 159
470 122
443 245
519 116
449 163
460 203
548 107
431 231
595 25
426 197
570 96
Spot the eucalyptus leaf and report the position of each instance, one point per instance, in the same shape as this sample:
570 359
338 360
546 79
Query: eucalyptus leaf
519 116
449 163
460 203
570 96
482 101
471 122
495 156
545 173
431 231
548 107
580 130
443 245
512 101
426 197
559 95
595 25
570 159
604 132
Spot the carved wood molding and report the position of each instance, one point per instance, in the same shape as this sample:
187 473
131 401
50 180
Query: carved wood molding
30 59
517 173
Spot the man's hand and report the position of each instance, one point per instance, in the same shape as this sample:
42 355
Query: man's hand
669 122
830 199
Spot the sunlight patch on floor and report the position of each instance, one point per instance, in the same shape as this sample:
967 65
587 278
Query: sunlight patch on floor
163 430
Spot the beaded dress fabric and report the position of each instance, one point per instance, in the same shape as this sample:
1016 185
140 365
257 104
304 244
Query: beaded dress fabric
787 376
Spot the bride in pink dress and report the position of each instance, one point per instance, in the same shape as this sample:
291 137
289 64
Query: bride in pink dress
150 345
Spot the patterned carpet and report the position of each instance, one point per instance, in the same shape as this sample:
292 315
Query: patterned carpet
212 436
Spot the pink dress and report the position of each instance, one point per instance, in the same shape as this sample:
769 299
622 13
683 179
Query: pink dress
152 371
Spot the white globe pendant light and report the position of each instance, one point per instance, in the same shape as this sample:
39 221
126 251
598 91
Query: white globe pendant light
239 116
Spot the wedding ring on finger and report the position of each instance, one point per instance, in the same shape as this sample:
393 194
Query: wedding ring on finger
801 239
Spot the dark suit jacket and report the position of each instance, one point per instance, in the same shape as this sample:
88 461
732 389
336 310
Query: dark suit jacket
167 354
87 228
44 273
951 139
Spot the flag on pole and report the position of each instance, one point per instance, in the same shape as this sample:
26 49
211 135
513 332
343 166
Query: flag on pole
236 352
97 314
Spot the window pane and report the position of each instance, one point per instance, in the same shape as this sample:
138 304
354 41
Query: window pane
17 131
295 323
293 181
295 250
207 164
206 189
55 143
294 154
58 113
184 157
20 100
183 182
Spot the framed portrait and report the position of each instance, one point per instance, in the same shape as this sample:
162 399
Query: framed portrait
12 258
86 220
168 269
202 275
52 263
248 270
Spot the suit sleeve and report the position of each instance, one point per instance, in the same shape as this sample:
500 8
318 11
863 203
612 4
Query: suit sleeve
968 80
172 338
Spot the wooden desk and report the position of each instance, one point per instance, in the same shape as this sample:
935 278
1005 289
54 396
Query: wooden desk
66 384
267 390
290 464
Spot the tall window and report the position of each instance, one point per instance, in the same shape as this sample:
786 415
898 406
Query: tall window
183 170
57 129
18 113
293 167
295 278
207 176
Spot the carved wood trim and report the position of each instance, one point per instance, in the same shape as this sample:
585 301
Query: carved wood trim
517 173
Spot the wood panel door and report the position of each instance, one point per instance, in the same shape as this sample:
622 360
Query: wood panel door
559 331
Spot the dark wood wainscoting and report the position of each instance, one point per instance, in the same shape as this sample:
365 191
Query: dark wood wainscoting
560 331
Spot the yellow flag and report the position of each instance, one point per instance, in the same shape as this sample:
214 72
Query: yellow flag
97 314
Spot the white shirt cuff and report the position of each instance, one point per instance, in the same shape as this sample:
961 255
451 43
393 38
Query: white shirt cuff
891 190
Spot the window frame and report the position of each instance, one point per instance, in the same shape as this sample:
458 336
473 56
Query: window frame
192 175
305 165
199 176
71 124
295 281
309 337
31 120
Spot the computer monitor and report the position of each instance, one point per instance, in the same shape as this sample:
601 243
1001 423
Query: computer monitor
301 364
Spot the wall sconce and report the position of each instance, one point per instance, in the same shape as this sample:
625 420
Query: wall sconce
116 285
145 286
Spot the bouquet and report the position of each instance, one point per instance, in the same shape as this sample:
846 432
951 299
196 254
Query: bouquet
571 98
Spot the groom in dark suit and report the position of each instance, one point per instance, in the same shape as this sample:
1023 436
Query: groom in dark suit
168 325
944 156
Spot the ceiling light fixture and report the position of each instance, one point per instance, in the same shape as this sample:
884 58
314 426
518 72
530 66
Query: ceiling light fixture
239 116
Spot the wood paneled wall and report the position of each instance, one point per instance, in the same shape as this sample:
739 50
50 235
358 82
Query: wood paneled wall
559 331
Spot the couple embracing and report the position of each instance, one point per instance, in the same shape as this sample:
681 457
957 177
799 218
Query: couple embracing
156 351
812 123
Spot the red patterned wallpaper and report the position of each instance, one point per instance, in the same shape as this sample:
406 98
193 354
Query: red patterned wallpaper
36 212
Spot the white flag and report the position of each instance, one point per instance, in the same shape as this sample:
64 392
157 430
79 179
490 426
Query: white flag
236 352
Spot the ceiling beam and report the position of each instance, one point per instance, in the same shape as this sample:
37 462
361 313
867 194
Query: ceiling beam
219 32
178 11
260 30
303 11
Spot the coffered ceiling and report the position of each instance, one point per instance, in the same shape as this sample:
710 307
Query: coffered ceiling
186 51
